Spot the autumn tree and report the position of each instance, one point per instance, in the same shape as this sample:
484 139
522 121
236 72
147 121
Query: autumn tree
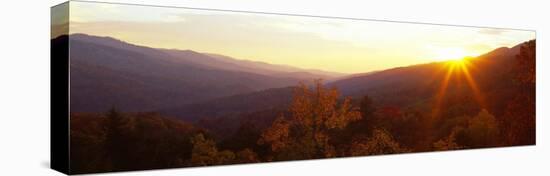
369 121
305 133
367 107
389 118
482 131
205 152
380 142
449 142
247 156
525 63
520 121
115 140
412 129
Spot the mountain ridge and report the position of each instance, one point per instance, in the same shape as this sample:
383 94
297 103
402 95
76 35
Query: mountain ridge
229 63
136 78
394 84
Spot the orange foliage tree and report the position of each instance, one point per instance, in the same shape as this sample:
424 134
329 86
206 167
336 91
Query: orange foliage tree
380 142
205 152
449 142
520 121
482 130
246 156
305 133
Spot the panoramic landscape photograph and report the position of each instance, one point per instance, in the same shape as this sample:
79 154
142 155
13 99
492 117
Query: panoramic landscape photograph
158 87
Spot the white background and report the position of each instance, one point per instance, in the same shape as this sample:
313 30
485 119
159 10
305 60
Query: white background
24 87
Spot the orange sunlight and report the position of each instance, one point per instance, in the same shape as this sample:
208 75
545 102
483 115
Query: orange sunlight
457 68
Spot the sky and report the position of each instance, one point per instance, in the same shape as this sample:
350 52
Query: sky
330 44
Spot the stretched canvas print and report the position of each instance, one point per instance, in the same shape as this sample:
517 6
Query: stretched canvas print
139 87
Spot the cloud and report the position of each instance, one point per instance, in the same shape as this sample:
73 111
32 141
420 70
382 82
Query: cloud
491 31
59 29
174 18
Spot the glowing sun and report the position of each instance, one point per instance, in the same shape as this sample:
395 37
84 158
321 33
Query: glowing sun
457 69
450 53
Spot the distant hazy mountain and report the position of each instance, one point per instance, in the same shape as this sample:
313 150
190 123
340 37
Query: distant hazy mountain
278 70
107 72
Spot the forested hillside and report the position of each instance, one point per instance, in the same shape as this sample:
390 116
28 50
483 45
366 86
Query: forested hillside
486 101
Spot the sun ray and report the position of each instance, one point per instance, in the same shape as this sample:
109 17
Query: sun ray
464 67
443 89
459 69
